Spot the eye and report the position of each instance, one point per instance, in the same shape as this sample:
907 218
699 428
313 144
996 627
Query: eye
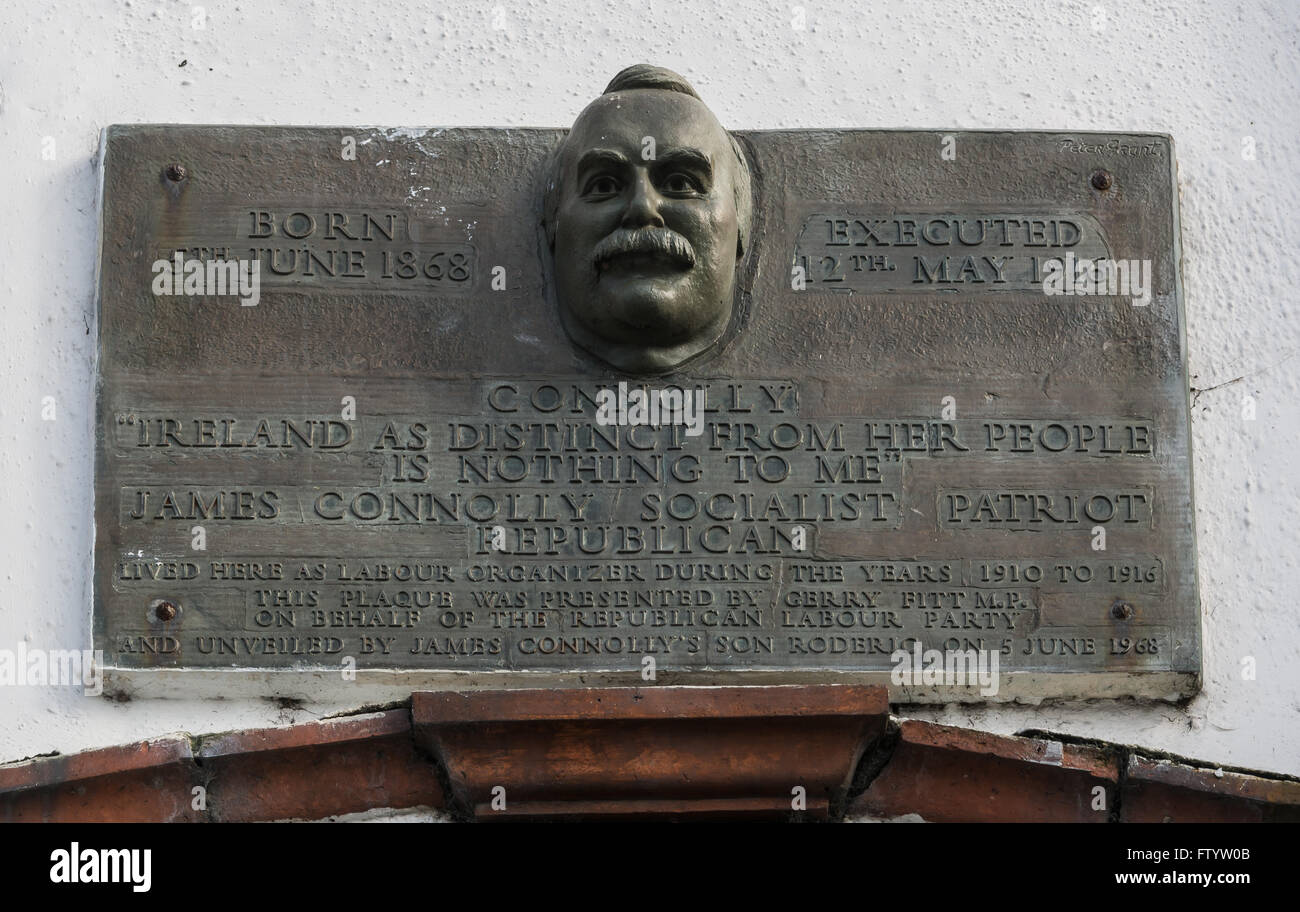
680 183
602 185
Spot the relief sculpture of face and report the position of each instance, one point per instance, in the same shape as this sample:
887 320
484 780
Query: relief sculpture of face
647 214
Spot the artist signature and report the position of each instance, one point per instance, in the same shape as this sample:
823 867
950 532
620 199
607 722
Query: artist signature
1110 147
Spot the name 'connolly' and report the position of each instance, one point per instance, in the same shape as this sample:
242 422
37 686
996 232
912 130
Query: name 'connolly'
428 506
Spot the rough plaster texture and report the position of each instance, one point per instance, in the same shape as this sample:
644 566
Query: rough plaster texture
1209 73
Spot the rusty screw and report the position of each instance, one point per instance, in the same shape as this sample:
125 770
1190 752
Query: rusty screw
1121 610
165 610
1102 180
175 172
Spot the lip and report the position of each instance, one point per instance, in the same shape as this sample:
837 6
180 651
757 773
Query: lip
655 262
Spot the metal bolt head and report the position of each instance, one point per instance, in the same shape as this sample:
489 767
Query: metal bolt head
1121 610
165 610
175 172
1102 180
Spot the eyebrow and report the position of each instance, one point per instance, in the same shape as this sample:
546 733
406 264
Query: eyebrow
688 158
594 158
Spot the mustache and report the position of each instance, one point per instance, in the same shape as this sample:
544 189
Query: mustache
647 240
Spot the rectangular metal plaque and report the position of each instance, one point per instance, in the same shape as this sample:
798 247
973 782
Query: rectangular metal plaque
388 459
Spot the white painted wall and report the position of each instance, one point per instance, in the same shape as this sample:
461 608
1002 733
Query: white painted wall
1210 73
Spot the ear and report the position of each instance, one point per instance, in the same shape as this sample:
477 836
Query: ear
551 194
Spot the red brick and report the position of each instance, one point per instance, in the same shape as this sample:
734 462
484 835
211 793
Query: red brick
149 781
1163 791
644 703
661 751
947 774
318 770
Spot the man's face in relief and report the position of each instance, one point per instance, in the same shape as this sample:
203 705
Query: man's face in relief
646 233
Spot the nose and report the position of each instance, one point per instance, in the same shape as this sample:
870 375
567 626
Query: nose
643 206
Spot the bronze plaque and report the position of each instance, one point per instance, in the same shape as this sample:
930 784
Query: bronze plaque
643 401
